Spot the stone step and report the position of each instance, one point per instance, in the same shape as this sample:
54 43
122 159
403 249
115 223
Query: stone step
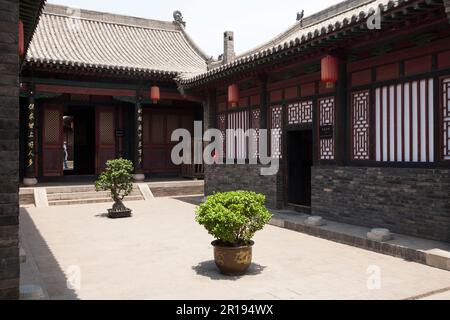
83 195
176 191
90 201
70 189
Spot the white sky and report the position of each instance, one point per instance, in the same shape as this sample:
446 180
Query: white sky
253 21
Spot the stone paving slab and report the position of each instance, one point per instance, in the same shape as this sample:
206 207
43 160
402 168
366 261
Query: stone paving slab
162 253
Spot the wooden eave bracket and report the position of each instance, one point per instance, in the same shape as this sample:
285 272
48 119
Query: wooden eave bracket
447 8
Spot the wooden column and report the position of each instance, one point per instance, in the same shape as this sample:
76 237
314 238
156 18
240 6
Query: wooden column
342 135
264 101
139 140
210 110
30 170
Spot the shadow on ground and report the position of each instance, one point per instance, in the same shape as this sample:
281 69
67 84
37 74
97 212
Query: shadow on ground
191 200
209 269
54 279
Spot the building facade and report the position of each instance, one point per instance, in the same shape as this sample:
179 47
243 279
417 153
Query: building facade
373 149
98 86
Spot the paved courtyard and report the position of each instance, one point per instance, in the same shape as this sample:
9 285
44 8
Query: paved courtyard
161 253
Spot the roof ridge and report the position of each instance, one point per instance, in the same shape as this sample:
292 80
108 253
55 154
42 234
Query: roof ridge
309 21
109 18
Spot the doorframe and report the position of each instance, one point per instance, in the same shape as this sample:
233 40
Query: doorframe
292 128
99 109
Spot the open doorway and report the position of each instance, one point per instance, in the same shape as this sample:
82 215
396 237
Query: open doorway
300 161
79 141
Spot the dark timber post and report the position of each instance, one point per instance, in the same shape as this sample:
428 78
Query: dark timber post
264 101
139 139
30 170
341 113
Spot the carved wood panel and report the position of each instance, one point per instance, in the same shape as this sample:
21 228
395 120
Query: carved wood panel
361 125
327 119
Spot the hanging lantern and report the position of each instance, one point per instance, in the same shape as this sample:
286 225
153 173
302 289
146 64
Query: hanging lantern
155 94
330 70
233 95
21 39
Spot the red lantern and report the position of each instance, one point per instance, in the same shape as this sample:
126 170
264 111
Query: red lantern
21 39
233 95
155 94
330 70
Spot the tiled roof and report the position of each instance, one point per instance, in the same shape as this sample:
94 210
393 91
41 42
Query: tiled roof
71 38
299 36
30 11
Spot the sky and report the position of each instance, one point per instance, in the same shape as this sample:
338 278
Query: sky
253 21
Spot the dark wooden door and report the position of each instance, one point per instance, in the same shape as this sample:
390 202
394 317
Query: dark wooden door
52 141
300 160
158 128
105 137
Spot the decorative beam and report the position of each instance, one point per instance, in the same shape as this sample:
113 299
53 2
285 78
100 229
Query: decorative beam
447 8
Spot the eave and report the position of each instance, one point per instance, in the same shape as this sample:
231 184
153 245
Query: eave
325 39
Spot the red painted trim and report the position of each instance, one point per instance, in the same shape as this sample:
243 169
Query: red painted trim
83 90
402 108
437 46
60 171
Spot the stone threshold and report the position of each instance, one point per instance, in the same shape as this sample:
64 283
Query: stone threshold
431 253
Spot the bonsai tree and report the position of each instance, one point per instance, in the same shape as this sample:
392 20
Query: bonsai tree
118 179
233 218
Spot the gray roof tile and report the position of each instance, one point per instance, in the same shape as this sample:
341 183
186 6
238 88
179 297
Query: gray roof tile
81 38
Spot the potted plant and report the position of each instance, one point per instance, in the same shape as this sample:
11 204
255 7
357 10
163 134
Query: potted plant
233 218
118 180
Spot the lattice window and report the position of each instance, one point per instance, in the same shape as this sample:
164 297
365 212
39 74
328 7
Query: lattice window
361 125
446 119
254 124
327 121
222 126
52 126
106 120
276 125
237 143
300 113
405 122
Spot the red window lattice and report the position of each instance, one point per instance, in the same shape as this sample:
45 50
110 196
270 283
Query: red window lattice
446 119
276 124
404 117
300 113
327 119
236 144
222 126
361 125
255 118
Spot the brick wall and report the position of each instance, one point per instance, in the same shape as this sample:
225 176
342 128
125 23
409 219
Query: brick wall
407 201
221 178
9 146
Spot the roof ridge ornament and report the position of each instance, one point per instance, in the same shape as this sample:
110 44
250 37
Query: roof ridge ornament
300 16
178 19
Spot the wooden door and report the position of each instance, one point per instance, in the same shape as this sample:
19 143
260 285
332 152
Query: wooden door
52 141
158 128
105 137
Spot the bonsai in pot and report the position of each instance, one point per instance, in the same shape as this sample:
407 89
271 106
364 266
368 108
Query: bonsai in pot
118 180
233 218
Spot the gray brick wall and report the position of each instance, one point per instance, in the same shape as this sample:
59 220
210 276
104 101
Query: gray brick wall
222 178
9 150
408 201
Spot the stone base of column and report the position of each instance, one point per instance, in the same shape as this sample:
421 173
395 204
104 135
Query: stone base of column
139 177
29 182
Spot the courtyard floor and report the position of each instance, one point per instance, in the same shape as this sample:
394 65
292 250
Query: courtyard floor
161 253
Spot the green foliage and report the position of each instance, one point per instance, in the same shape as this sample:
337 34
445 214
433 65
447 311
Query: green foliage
117 178
234 217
